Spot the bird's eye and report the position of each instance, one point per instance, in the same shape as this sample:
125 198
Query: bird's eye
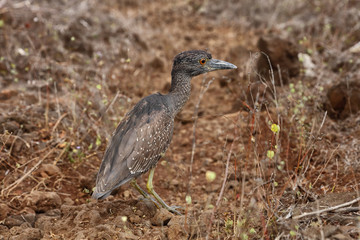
202 61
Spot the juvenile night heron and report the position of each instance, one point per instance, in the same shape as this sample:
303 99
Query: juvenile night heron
145 133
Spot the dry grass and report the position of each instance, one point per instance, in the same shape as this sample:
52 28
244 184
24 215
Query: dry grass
75 73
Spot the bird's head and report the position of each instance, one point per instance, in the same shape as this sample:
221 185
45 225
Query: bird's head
196 62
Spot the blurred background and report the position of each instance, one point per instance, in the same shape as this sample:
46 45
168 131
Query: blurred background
277 137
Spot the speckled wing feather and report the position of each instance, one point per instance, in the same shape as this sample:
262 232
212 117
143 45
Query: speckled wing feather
136 146
151 139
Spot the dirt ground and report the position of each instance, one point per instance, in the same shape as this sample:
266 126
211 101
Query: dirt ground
270 150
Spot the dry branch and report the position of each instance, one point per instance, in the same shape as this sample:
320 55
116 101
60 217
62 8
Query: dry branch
17 182
327 209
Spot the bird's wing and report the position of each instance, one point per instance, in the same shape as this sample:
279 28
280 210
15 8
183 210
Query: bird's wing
150 140
136 146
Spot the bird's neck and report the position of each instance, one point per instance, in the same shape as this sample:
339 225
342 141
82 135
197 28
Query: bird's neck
180 90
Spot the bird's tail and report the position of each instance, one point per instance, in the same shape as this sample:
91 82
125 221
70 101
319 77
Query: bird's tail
100 195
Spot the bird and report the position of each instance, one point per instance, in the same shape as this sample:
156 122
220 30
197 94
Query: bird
145 132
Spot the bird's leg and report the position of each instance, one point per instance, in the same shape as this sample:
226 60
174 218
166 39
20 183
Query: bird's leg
142 192
151 190
138 188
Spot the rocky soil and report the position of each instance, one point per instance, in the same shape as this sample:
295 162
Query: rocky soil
268 151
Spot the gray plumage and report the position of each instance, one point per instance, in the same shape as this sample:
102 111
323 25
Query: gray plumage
137 144
146 131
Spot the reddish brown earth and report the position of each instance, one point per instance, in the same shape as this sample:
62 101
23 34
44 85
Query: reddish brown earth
70 70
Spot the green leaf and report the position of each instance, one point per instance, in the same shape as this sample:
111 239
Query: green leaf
229 223
210 176
98 141
188 199
270 154
275 128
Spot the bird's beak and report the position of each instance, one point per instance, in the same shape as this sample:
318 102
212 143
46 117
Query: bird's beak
215 64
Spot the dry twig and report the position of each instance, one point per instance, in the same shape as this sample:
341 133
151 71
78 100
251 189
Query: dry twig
224 182
327 209
17 182
202 92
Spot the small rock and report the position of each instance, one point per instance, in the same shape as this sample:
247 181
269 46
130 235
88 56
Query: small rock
17 230
80 235
129 235
27 210
177 229
208 161
45 223
84 216
105 231
102 227
42 201
3 229
126 193
219 156
68 201
50 169
68 210
135 219
26 225
161 218
174 182
213 187
28 234
147 207
13 221
31 98
4 211
53 213
17 220
10 126
7 94
29 218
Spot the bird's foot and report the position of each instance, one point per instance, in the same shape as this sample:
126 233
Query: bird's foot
173 209
151 199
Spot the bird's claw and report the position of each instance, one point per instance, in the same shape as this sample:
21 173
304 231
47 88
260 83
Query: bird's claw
151 199
173 209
